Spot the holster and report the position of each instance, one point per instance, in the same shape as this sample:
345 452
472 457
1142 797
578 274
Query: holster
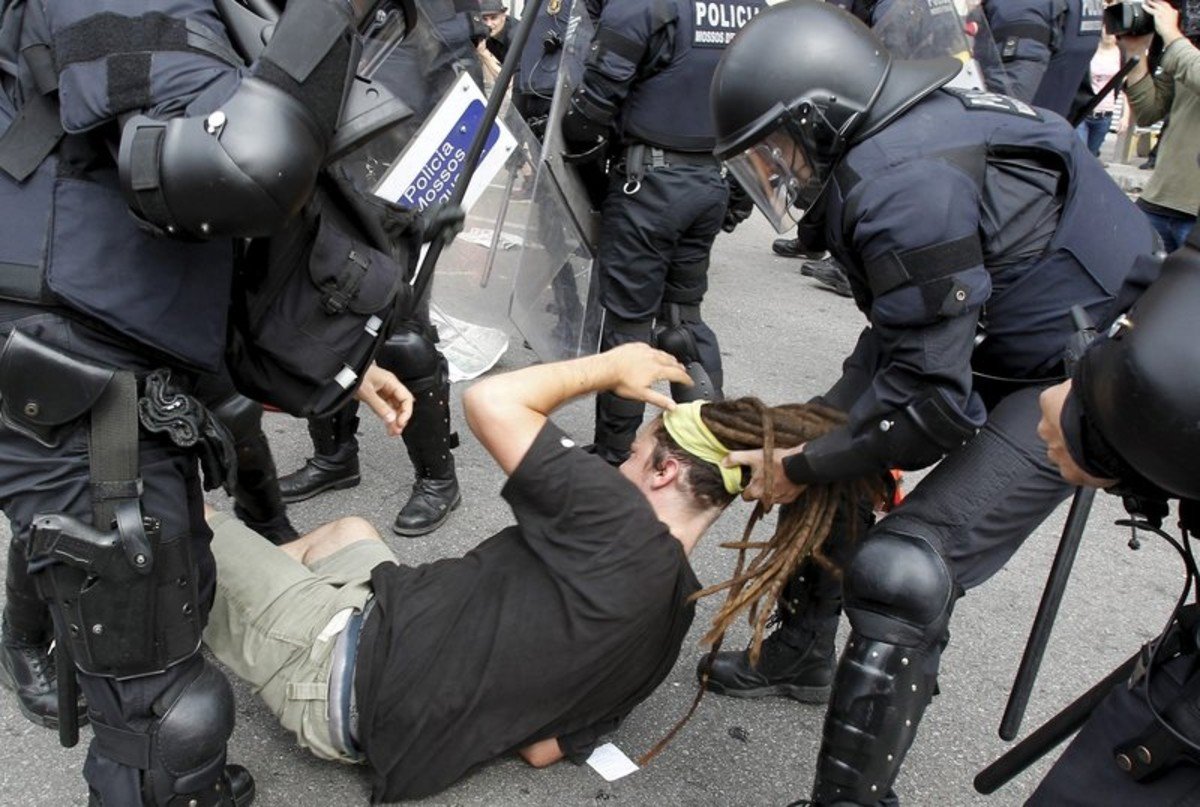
125 603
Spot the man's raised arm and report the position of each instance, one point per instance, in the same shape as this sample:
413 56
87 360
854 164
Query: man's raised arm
506 412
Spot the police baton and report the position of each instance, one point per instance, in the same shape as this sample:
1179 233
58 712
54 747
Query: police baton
1051 733
1110 86
1060 571
530 12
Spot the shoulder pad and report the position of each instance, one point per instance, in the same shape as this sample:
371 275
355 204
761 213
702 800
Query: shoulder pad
994 102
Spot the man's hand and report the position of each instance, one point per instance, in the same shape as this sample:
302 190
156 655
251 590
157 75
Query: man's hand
636 367
784 490
507 411
387 397
1050 430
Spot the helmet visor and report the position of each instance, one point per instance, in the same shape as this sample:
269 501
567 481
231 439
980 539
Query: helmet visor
786 170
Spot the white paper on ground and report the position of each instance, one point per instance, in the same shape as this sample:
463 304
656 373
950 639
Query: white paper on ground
611 762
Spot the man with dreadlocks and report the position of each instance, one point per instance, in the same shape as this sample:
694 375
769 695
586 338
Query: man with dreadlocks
539 640
971 224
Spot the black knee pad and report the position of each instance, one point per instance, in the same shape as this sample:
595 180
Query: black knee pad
899 590
414 359
241 416
197 717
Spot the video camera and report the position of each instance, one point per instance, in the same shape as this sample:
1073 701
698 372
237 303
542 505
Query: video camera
1128 19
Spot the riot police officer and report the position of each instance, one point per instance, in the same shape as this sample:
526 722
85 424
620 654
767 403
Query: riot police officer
970 224
110 107
1127 421
643 94
1045 47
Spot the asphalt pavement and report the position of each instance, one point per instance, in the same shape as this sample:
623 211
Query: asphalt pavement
783 338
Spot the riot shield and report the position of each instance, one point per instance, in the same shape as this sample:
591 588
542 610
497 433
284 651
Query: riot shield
580 186
555 297
926 29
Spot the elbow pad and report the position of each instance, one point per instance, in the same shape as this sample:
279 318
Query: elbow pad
912 438
586 123
240 171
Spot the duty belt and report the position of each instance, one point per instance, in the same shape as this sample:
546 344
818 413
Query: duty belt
642 157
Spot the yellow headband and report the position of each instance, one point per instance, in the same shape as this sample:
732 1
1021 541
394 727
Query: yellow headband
688 431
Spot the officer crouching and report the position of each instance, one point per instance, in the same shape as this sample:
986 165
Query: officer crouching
1129 421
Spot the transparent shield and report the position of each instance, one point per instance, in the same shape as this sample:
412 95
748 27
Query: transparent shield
581 187
927 29
554 302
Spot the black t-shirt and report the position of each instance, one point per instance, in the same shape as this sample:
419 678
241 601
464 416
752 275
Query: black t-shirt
556 627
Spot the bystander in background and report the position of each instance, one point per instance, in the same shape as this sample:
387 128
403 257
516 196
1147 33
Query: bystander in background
1172 196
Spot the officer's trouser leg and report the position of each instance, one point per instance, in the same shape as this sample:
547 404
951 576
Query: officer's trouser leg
953 531
687 277
617 418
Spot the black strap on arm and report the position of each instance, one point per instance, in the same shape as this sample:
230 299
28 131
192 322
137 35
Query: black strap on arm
922 265
1024 30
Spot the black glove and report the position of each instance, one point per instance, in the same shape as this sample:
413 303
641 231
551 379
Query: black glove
442 222
740 205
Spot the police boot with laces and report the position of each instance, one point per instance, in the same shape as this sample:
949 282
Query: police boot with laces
429 442
795 248
797 659
27 669
797 664
334 465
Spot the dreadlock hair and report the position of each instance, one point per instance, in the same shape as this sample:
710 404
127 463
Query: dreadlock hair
800 531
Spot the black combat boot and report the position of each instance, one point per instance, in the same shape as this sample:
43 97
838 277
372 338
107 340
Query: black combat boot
429 442
797 659
27 669
795 248
334 465
26 665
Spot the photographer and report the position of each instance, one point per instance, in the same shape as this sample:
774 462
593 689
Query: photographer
1173 193
1128 422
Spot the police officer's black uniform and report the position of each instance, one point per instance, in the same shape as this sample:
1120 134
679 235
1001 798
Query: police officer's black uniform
647 79
1045 46
1132 416
970 224
159 112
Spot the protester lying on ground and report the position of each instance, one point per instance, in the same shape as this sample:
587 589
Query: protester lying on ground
540 640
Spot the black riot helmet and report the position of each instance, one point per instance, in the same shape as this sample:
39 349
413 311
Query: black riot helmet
1138 390
799 85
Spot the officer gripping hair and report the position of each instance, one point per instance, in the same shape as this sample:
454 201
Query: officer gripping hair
812 111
